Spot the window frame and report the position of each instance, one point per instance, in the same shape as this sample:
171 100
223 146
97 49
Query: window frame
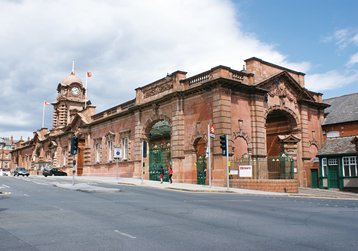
349 162
98 152
64 157
125 147
110 150
333 162
324 167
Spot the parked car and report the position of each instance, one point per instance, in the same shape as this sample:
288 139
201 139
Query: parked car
53 172
21 171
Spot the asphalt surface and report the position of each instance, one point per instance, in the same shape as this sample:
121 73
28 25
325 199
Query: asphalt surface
88 183
40 215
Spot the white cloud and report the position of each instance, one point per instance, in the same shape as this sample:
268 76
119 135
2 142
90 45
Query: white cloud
353 60
330 80
343 37
125 44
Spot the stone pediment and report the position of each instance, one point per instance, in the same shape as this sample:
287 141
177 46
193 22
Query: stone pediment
285 87
292 139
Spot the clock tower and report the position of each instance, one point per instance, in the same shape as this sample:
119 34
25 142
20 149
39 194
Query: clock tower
70 100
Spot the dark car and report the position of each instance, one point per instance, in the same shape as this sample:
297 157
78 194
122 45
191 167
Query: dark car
53 172
21 171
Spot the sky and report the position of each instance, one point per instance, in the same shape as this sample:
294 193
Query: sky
128 44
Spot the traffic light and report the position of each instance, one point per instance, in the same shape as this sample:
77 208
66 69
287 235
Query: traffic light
144 150
223 144
74 145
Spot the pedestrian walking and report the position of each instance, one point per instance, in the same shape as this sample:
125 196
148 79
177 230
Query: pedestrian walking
170 172
161 174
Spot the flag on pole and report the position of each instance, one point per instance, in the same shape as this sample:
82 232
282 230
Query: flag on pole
45 103
88 75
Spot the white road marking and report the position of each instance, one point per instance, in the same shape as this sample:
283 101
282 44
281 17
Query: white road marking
5 186
125 234
26 195
41 183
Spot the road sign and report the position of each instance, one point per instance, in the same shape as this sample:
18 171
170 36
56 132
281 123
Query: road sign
212 131
117 154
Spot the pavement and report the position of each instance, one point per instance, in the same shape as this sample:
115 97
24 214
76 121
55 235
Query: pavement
91 184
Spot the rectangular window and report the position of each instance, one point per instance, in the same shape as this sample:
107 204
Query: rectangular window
349 166
64 158
98 152
332 162
110 150
125 142
324 167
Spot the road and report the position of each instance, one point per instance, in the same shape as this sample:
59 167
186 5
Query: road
38 216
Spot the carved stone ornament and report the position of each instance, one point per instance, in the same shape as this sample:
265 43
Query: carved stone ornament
151 91
282 92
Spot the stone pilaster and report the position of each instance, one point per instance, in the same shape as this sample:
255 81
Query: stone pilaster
138 138
303 151
178 129
305 133
222 123
258 142
258 126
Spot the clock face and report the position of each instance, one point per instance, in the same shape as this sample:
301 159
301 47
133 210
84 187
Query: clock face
75 91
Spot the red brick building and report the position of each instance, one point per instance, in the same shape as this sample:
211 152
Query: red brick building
6 145
338 155
341 118
272 121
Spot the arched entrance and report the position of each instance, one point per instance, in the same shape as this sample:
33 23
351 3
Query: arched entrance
280 139
200 149
159 149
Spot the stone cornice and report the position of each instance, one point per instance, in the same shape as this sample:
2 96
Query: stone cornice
223 82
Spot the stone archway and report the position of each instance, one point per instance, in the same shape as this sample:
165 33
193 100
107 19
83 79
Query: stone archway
278 123
200 150
159 141
281 144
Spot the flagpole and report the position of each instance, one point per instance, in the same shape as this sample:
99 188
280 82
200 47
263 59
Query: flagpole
43 115
86 91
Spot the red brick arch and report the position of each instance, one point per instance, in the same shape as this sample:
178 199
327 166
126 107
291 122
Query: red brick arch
151 121
294 119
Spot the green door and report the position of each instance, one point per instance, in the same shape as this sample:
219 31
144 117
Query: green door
333 177
314 178
201 170
159 156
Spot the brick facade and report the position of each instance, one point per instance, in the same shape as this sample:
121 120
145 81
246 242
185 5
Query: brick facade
279 186
241 104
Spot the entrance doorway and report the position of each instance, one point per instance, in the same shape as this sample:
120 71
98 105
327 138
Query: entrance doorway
333 177
314 178
200 148
159 149
280 125
80 156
